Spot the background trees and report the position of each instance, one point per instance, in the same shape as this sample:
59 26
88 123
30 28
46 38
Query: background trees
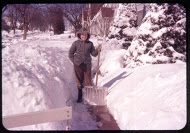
43 17
55 18
73 13
40 20
13 16
26 12
24 17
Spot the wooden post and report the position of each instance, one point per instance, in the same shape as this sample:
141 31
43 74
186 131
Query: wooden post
67 125
37 117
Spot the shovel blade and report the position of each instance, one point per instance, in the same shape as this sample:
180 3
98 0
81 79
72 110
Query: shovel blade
95 95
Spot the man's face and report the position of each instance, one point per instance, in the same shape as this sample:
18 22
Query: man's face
83 36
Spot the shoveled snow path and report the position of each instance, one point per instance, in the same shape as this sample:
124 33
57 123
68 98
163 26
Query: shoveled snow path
81 117
42 78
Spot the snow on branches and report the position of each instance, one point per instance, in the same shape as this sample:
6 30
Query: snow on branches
161 38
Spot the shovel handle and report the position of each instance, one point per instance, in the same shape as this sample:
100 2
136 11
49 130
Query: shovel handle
97 67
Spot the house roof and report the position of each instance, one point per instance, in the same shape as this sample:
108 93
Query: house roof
107 12
94 9
85 14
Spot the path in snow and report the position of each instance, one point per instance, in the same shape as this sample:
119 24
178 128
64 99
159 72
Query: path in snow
81 117
80 121
105 120
41 78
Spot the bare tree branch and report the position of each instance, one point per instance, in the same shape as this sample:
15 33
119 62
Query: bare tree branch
73 13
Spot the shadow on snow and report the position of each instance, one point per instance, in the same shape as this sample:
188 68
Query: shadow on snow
119 78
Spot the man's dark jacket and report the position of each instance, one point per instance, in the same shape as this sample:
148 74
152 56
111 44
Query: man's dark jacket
80 50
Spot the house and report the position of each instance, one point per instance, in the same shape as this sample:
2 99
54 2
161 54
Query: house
101 22
84 19
88 15
99 17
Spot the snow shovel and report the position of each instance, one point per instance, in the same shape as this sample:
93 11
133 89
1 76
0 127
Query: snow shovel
94 94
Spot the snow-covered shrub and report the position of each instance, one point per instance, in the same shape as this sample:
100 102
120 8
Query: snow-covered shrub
124 25
161 38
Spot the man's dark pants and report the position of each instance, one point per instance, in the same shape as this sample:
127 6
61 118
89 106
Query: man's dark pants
82 77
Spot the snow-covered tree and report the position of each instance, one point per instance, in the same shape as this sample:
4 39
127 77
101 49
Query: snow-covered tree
161 38
124 26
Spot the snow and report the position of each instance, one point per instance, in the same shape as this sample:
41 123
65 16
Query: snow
37 75
124 24
130 31
159 33
149 98
142 94
115 60
157 39
144 28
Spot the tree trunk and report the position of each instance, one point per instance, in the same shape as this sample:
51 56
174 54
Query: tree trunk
14 29
25 32
14 26
75 32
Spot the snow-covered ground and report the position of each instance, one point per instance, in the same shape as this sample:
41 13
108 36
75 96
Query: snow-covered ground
149 97
37 75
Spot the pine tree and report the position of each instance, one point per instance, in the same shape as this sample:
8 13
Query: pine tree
161 38
124 25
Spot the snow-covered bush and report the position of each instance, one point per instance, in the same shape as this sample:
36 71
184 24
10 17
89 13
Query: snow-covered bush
161 38
124 25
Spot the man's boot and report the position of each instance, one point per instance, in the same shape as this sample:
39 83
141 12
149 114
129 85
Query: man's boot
79 100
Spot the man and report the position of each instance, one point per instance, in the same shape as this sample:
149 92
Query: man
79 54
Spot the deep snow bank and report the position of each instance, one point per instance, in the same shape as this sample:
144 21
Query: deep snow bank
34 79
148 97
37 75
